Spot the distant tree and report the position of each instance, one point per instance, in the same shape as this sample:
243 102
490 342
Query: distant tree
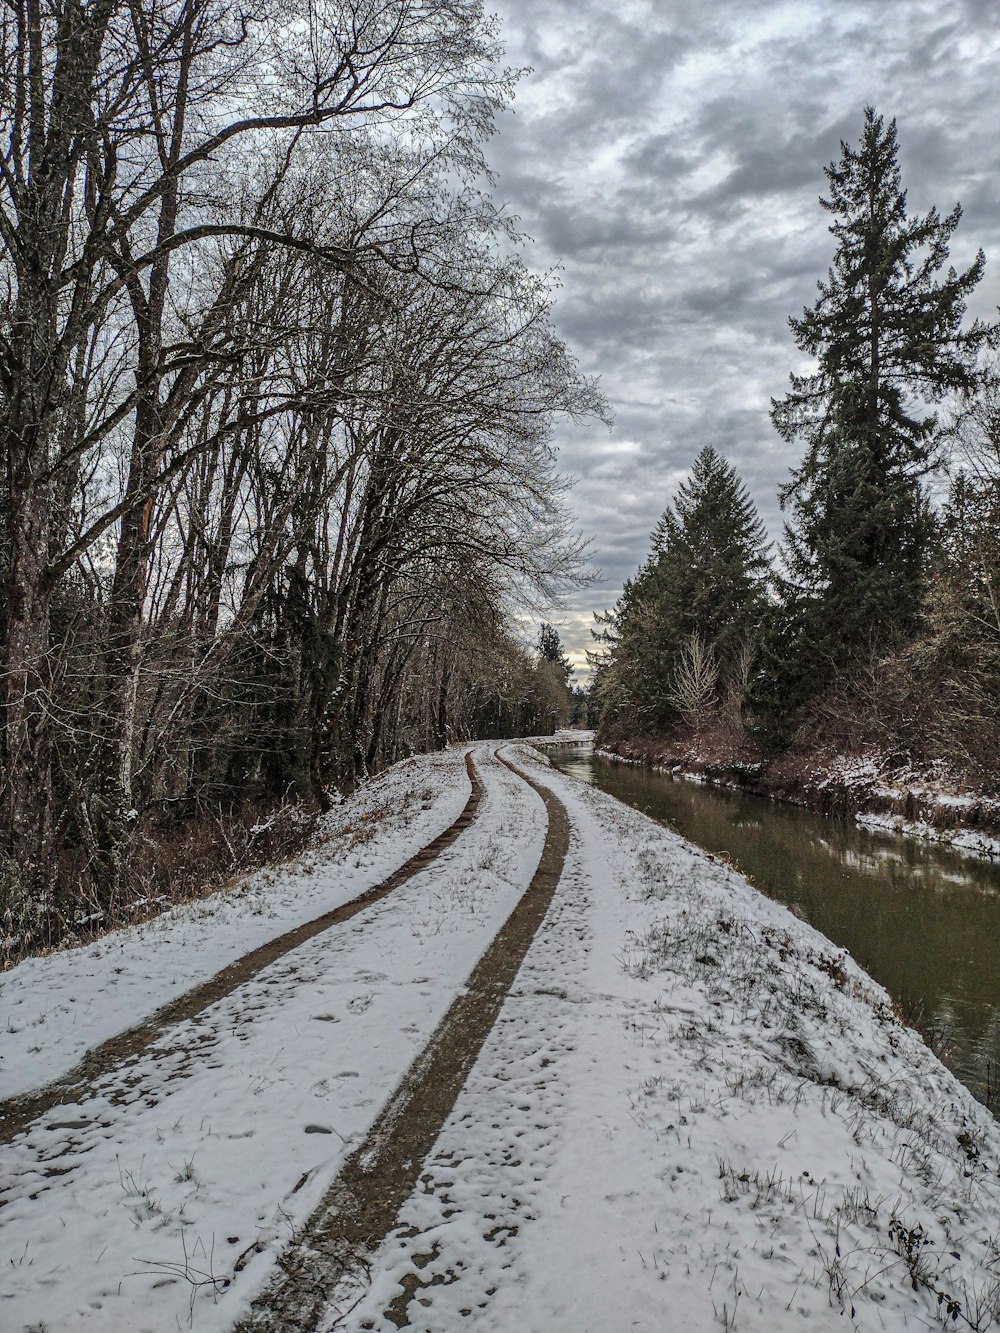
705 580
581 706
951 673
550 649
710 566
976 426
556 670
887 334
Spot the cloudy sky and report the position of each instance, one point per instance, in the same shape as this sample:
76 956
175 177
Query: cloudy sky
669 155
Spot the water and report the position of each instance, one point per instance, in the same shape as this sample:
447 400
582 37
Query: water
923 920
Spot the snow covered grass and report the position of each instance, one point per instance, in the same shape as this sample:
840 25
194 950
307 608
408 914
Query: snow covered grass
694 1113
56 1007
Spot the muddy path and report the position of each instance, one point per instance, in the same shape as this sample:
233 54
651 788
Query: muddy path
18 1113
362 1205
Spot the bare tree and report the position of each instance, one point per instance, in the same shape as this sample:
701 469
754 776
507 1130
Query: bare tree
275 412
693 690
125 126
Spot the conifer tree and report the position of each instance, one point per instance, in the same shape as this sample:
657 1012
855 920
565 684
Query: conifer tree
555 669
710 559
887 334
550 649
705 579
628 692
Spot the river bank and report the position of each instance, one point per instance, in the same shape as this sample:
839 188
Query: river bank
866 788
922 918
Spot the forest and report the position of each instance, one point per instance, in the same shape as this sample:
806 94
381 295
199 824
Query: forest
276 400
875 628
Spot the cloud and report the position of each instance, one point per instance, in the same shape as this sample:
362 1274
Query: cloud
670 156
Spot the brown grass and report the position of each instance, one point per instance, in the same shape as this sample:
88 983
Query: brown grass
164 866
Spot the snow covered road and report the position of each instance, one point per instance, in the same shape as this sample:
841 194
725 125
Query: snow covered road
691 1113
132 1208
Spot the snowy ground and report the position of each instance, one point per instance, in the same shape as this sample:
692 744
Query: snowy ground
692 1114
55 1008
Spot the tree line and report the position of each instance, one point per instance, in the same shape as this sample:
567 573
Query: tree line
276 394
877 625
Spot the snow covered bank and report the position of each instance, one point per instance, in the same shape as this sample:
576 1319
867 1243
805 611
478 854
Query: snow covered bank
694 1113
563 736
916 804
970 840
55 1008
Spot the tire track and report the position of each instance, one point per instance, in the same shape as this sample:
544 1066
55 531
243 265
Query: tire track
18 1113
362 1205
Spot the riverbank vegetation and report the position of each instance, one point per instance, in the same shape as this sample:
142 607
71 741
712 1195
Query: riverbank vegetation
875 629
275 402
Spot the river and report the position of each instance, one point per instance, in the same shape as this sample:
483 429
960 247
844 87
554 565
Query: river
922 919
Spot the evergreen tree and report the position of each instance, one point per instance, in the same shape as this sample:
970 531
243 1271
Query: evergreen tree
627 695
581 706
705 580
710 562
555 668
550 649
955 664
889 344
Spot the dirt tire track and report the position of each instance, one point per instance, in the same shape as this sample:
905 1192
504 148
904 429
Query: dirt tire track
364 1201
18 1113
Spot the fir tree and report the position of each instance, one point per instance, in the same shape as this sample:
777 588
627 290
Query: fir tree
705 579
710 559
887 334
550 649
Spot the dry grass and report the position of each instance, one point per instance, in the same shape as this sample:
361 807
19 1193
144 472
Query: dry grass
163 866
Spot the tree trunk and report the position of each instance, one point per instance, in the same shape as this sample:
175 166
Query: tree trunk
28 786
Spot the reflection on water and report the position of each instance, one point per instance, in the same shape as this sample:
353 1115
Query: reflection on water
923 920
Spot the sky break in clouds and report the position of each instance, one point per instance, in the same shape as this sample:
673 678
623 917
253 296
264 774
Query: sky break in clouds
669 156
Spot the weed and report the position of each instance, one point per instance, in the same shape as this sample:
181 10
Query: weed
198 1278
186 1172
142 1201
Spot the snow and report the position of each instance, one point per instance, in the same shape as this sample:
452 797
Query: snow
970 840
692 1113
55 1008
219 1141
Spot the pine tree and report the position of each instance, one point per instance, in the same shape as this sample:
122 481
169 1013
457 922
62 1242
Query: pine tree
554 671
710 566
889 344
705 580
550 649
628 688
